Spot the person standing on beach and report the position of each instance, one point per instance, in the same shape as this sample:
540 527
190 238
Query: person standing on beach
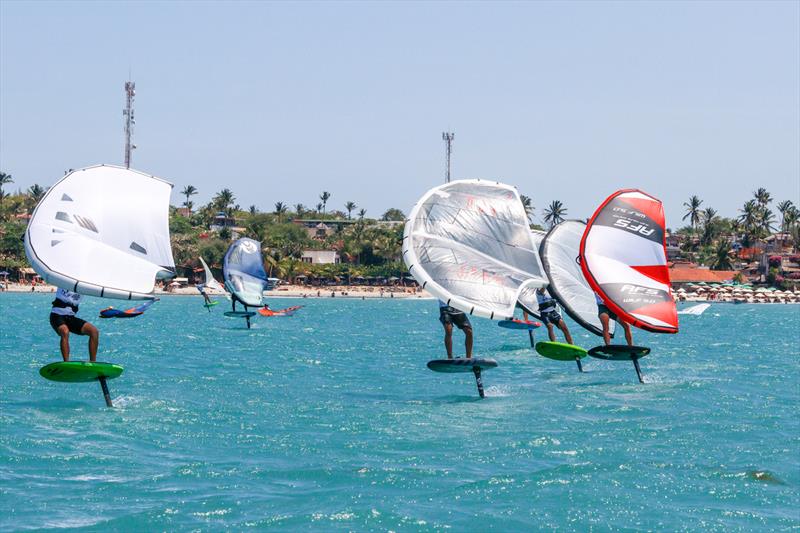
548 309
606 316
64 321
449 316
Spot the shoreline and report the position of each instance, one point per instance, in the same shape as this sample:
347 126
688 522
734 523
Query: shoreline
340 291
290 291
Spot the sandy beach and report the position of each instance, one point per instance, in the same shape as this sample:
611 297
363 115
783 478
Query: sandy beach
284 291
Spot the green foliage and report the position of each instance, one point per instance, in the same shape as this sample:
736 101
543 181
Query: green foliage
12 248
555 213
179 224
393 214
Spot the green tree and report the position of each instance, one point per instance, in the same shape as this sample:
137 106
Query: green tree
319 208
393 214
721 259
783 208
555 213
349 206
710 228
693 211
299 209
527 203
188 192
361 213
763 198
280 210
749 220
4 180
223 200
325 196
35 194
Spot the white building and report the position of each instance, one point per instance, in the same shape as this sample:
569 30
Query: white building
320 257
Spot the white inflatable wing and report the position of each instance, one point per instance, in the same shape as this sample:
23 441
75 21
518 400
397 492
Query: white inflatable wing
469 244
103 231
559 253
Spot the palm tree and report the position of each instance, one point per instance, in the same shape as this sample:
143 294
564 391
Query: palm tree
555 213
280 209
223 200
765 221
783 208
253 209
189 190
299 209
4 179
721 260
319 208
325 196
350 206
749 220
527 203
361 213
709 228
693 211
792 217
35 192
762 197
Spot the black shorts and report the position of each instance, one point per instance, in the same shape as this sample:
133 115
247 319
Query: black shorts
551 317
448 315
601 308
74 323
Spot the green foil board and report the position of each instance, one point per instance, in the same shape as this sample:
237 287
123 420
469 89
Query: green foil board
79 371
560 351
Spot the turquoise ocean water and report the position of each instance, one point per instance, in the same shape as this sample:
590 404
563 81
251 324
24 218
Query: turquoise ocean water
329 420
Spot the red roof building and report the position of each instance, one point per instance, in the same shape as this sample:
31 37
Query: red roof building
690 273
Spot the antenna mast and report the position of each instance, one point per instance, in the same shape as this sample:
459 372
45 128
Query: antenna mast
448 137
130 92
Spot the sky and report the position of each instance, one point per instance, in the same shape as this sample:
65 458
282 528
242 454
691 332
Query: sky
280 101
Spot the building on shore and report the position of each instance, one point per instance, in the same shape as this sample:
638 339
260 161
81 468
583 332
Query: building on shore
320 257
682 274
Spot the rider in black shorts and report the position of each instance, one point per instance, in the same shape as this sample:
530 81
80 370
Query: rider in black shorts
606 316
63 321
449 316
548 310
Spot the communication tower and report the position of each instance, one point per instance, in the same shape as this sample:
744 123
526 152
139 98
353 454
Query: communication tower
448 137
130 92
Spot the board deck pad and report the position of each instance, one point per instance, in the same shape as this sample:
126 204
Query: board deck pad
619 352
560 351
519 324
79 371
461 364
240 314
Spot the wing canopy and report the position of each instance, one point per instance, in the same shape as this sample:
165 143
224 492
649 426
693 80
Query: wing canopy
468 243
623 256
103 231
243 271
559 252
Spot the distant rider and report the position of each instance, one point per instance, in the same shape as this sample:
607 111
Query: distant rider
449 316
64 322
606 316
548 309
202 288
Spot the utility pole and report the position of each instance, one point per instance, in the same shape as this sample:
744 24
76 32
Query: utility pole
130 92
448 137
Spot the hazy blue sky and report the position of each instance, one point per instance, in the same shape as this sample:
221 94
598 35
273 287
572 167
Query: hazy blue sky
280 101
